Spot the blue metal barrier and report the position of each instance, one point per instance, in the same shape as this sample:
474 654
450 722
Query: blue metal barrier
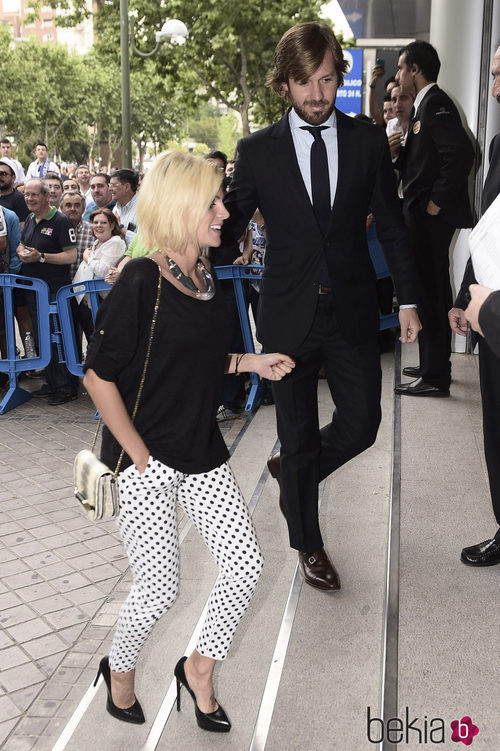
239 274
58 317
387 320
12 364
91 287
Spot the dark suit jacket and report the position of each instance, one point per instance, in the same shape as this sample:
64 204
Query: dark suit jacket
267 176
489 320
490 191
436 160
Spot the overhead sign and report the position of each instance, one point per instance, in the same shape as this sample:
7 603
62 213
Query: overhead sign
349 95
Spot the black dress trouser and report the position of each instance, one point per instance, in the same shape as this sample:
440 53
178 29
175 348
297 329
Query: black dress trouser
489 378
309 454
431 237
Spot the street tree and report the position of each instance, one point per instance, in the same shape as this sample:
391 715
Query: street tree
228 54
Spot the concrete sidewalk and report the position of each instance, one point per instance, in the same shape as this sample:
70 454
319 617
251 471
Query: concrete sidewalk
64 578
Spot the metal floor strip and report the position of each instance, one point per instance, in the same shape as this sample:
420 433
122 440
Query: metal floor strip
266 709
389 697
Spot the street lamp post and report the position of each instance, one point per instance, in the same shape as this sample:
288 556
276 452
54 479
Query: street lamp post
172 29
125 69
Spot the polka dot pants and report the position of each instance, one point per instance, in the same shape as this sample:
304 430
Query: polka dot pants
148 527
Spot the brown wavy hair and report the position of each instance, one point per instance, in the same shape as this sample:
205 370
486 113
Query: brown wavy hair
300 52
115 224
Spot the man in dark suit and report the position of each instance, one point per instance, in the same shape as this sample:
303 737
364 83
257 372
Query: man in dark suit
483 314
318 295
434 166
486 553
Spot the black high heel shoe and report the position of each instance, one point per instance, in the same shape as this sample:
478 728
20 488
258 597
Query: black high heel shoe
216 722
130 714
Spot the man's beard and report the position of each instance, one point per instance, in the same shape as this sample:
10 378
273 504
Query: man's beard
313 118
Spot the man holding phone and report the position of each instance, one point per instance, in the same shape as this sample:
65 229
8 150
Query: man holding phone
123 185
375 112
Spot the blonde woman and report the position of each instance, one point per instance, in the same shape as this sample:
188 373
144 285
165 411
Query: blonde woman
174 451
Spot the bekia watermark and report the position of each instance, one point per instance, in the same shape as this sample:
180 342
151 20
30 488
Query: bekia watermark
420 730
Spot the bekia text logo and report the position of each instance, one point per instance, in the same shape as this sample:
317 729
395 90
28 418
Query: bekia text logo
418 730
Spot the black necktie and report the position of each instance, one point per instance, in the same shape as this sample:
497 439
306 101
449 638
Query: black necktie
412 114
320 180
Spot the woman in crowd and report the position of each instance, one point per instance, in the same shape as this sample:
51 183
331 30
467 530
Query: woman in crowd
174 451
106 250
254 251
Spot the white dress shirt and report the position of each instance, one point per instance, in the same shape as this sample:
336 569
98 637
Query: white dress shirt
126 216
421 95
303 140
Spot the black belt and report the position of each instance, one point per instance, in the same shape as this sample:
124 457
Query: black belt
323 289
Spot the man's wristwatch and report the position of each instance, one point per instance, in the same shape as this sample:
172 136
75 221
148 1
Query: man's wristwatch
42 257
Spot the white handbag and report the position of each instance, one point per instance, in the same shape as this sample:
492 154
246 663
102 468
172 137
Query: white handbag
95 484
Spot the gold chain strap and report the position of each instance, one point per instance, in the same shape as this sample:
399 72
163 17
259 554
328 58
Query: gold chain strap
143 377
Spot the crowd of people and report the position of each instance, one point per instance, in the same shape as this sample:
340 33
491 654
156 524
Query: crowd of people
295 200
62 229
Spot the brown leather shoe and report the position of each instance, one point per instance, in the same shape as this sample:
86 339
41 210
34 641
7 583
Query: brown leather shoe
318 570
273 464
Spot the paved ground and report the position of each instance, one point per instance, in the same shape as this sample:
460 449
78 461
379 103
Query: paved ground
62 577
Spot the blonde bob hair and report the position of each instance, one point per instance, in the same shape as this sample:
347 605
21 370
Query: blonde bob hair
175 194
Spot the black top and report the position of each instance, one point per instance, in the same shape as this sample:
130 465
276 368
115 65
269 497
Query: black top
52 234
16 203
183 387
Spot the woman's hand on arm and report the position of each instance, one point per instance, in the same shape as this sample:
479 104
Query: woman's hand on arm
272 366
111 407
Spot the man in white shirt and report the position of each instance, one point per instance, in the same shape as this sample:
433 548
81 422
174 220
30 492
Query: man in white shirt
83 179
313 175
123 185
397 128
42 163
6 151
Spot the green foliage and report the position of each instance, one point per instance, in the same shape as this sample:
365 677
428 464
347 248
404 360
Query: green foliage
229 132
74 102
43 94
228 54
230 49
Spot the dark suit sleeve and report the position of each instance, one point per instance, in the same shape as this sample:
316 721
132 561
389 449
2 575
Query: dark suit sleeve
463 297
391 230
241 201
490 192
489 320
492 183
453 146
